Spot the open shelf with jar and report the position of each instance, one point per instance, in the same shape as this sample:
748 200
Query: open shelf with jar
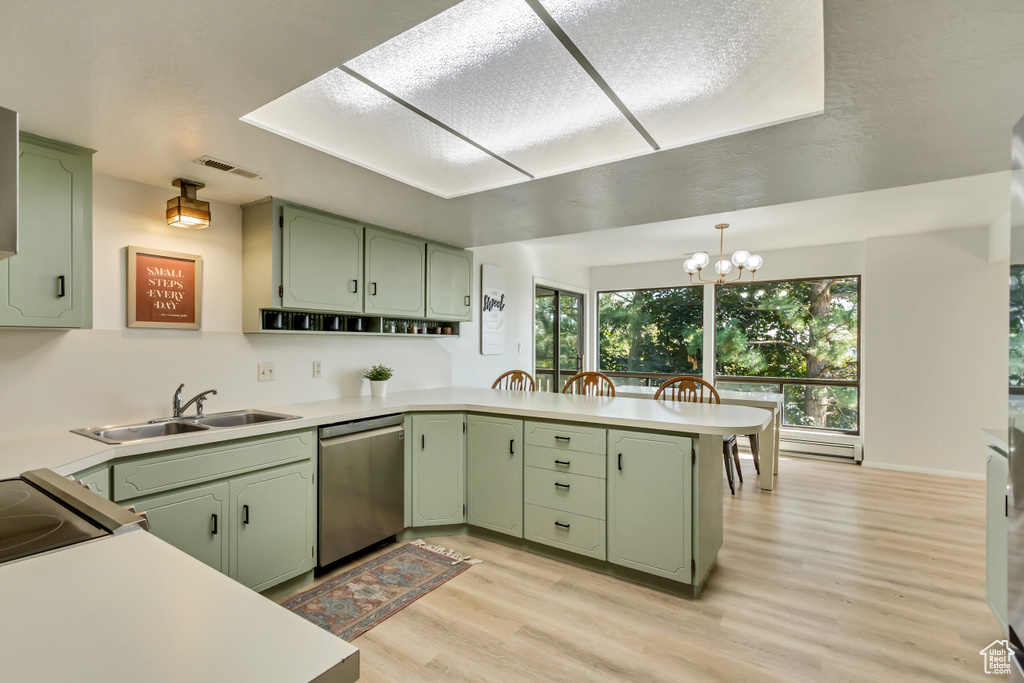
278 321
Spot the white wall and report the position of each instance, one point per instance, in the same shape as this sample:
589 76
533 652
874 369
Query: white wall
935 317
52 379
933 339
520 265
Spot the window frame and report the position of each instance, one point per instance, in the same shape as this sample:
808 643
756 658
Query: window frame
802 381
645 376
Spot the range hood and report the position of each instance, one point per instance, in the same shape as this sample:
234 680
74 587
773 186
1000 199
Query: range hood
8 183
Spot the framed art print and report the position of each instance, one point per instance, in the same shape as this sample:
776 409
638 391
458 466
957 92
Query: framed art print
165 289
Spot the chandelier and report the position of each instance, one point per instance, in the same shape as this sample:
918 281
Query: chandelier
696 264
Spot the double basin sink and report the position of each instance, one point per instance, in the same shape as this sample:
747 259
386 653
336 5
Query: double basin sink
140 431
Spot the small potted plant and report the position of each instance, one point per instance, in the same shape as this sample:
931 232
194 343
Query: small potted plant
378 376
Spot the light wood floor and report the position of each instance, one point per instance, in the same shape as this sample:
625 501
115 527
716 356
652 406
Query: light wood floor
843 573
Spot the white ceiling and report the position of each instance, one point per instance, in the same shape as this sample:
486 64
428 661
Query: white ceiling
975 201
493 72
915 91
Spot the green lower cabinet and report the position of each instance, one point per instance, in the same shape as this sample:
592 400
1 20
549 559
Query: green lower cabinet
273 520
96 479
650 503
193 520
438 469
996 475
494 474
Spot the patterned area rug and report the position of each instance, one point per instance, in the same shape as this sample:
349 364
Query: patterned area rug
356 601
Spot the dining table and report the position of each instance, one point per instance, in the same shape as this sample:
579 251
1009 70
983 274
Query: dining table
767 438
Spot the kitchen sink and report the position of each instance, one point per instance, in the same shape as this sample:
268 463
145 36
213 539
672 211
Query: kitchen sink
150 430
137 432
240 418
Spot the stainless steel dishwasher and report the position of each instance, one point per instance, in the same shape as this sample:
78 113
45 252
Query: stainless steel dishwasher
362 485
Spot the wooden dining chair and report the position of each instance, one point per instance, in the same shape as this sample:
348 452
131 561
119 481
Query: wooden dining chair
515 380
696 390
589 384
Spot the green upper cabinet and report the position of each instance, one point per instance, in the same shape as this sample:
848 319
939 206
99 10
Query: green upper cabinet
449 283
49 282
494 473
322 266
395 274
438 469
650 503
273 525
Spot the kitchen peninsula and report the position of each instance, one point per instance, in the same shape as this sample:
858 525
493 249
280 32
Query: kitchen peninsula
661 462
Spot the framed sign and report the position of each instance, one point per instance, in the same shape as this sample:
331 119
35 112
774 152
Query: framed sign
165 289
492 314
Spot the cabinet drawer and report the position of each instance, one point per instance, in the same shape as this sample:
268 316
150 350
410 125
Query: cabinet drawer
569 492
575 533
560 460
187 466
565 437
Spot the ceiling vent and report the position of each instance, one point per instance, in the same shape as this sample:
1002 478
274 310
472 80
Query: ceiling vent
210 162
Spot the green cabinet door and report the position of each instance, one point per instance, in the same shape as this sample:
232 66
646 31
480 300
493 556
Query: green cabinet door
273 523
192 520
494 474
395 274
322 267
996 475
449 283
650 503
438 469
48 283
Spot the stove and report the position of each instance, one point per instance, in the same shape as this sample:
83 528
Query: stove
42 512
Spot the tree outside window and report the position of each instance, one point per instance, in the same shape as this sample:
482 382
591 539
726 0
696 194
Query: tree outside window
796 329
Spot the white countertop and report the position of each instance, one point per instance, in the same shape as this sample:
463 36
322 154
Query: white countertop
997 437
88 613
67 453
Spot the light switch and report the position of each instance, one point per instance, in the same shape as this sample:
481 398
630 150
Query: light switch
265 372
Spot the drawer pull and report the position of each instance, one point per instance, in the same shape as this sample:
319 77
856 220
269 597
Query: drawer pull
245 514
511 446
355 286
60 287
620 462
563 463
215 524
563 526
562 438
562 486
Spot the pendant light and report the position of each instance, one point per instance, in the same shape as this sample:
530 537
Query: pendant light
743 260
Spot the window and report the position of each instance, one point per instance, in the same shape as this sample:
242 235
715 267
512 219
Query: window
558 343
1017 329
648 335
798 336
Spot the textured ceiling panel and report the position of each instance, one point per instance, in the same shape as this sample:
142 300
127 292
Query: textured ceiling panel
337 114
493 71
692 70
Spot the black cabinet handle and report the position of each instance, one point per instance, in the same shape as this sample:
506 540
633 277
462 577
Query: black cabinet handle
373 289
423 441
511 446
355 284
467 301
564 526
60 286
620 461
245 514
215 524
563 463
562 438
562 486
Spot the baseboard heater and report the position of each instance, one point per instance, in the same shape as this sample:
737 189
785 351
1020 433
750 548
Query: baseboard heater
830 447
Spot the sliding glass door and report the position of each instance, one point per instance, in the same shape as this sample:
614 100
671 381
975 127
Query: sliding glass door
558 343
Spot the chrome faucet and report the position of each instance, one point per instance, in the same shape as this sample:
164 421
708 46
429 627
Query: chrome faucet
179 408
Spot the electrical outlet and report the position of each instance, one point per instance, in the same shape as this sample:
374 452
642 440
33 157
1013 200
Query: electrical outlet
265 372
318 370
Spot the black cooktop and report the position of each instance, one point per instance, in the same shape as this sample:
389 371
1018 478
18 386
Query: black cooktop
32 522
